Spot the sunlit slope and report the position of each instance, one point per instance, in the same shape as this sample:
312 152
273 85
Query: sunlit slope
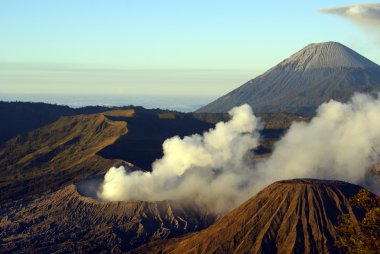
56 154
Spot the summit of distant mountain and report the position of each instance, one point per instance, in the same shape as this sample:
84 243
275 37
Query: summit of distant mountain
290 216
299 84
326 55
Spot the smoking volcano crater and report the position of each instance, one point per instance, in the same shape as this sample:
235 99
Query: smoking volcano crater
90 187
74 214
138 221
213 171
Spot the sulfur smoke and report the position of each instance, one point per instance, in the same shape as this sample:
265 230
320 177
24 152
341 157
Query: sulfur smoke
216 169
210 170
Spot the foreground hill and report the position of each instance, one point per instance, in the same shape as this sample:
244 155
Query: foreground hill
299 84
66 222
294 216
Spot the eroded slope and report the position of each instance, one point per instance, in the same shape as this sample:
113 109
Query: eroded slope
295 216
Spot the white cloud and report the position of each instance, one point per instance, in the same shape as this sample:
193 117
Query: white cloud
365 15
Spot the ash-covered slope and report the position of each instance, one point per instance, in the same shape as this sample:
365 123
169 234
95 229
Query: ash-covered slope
294 216
66 222
299 84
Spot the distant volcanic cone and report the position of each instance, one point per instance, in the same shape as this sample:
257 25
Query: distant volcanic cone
302 82
294 216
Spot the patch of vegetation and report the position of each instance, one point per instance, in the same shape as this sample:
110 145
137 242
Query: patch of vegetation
363 236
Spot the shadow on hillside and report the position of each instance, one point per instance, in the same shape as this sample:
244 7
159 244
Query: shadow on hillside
142 145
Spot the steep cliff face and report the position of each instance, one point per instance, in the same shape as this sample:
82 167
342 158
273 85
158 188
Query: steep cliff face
295 216
300 83
65 221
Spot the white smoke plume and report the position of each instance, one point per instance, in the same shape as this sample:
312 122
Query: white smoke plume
364 15
338 143
216 170
211 169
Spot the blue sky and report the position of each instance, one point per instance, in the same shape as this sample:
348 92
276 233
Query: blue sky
198 47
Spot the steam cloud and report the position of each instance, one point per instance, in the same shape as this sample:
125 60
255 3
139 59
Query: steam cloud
365 15
212 169
217 171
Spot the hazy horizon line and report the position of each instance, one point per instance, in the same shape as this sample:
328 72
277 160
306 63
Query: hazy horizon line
71 67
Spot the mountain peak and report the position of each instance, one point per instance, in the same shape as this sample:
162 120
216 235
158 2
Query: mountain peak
299 84
326 55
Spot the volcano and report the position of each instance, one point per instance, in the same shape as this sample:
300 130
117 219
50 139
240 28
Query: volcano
302 82
67 221
291 216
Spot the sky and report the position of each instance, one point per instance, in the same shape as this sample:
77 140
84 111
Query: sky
165 47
